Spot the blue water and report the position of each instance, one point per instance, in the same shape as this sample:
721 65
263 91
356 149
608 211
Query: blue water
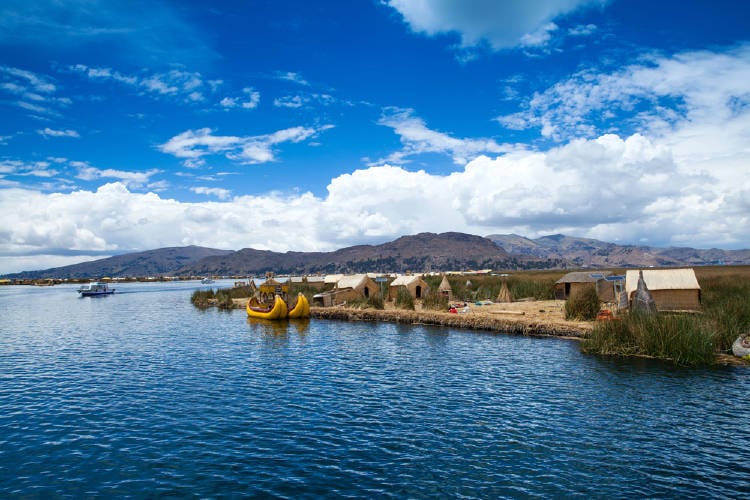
140 395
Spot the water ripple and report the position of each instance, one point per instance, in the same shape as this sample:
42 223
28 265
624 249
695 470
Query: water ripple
140 395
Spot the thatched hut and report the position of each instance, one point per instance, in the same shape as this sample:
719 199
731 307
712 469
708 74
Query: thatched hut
671 289
504 294
414 284
355 287
445 289
572 283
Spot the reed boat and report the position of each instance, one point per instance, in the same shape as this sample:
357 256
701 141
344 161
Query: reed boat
277 310
301 309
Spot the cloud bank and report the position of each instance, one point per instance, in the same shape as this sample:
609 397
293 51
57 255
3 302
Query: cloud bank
610 188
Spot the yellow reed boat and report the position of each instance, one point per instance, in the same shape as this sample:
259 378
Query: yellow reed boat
277 310
301 309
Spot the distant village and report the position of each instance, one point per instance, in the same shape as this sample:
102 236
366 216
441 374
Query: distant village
671 289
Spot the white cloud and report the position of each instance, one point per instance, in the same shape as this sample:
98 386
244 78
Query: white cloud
186 85
48 132
34 169
193 144
582 30
540 36
294 101
290 76
618 189
253 97
659 95
250 100
33 92
499 24
220 193
418 139
129 179
297 101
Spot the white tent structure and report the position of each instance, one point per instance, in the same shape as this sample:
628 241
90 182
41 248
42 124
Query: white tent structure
671 289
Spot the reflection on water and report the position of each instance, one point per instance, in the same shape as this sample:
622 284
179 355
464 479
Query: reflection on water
143 395
278 328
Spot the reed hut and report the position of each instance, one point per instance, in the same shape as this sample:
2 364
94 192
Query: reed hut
572 283
445 289
672 289
504 295
414 284
355 287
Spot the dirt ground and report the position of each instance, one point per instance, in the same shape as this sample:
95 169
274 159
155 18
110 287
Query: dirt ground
549 312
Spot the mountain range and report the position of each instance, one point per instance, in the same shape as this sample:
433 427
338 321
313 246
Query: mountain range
419 253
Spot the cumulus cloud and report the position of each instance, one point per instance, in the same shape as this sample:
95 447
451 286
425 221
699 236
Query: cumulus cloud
501 25
610 187
418 139
193 144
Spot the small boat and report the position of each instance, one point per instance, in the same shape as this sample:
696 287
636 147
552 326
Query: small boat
277 310
95 288
206 281
301 309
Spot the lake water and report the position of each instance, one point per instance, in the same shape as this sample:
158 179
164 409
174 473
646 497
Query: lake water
140 395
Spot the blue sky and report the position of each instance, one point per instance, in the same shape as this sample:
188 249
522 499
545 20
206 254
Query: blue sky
298 125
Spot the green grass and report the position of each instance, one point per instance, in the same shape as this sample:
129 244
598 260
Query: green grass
404 299
583 306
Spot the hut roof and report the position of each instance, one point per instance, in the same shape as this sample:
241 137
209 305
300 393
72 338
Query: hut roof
663 279
332 278
583 277
352 281
405 280
444 285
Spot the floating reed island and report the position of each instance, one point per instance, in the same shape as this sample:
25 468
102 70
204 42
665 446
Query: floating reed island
691 318
513 321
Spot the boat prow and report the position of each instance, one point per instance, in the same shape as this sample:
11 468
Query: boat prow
277 310
301 309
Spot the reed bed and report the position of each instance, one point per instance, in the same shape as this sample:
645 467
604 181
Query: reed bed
684 339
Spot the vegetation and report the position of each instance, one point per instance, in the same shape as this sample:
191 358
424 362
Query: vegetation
528 284
223 298
202 298
583 306
435 300
404 299
686 340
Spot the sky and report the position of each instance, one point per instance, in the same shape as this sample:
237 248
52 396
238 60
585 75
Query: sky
311 126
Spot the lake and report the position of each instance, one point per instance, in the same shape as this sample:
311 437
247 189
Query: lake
141 395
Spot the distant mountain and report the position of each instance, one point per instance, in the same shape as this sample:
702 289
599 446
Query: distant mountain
585 252
421 252
160 262
418 253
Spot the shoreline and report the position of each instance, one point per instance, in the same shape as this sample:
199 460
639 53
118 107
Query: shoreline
515 326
